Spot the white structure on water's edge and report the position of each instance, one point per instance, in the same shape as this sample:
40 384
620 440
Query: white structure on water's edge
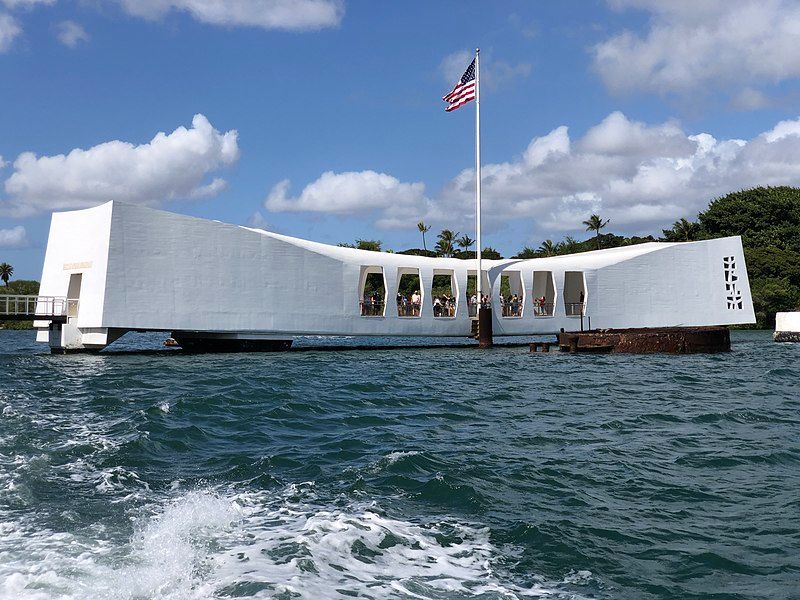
135 268
787 327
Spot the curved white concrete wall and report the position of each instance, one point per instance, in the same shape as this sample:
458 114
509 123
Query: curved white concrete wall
162 271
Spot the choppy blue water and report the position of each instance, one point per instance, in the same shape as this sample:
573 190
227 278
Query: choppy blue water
437 473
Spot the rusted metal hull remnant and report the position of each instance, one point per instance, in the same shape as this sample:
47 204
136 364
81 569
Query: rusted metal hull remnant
672 340
542 346
485 339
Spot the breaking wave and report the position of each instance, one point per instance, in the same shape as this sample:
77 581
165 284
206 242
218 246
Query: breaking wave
209 544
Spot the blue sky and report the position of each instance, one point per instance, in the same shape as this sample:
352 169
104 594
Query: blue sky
323 119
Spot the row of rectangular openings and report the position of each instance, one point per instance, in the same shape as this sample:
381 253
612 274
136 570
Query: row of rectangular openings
544 294
410 296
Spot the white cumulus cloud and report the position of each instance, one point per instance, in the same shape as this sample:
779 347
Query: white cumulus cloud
494 73
294 15
170 166
354 193
16 237
692 45
642 176
71 33
9 30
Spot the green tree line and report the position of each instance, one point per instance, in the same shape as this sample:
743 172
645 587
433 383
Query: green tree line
20 287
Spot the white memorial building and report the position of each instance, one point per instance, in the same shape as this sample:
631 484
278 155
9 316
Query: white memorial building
129 268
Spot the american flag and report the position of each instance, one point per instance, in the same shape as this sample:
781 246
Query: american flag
464 91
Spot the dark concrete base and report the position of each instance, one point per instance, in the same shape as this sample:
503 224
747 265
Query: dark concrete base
62 351
786 336
674 340
199 344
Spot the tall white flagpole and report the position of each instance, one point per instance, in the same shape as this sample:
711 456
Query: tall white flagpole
478 169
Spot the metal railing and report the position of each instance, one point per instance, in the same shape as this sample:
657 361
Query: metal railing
38 306
543 309
372 308
512 309
575 309
408 309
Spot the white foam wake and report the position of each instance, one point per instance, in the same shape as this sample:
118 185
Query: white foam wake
209 545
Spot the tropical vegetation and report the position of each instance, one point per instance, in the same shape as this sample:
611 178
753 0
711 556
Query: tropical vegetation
20 287
595 223
423 229
446 244
6 271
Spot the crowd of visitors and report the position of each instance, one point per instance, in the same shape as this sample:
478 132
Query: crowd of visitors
511 307
445 305
472 303
409 306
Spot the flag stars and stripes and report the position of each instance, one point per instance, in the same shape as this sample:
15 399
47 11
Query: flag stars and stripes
464 90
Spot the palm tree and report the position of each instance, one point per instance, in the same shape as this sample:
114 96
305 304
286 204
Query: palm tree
465 242
547 248
423 229
6 271
684 230
527 252
446 244
595 223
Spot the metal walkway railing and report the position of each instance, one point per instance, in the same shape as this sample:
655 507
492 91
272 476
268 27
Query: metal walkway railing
44 308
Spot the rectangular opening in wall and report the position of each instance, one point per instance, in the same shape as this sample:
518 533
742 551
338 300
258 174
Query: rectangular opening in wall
444 296
409 292
472 291
574 293
373 292
511 294
544 294
74 294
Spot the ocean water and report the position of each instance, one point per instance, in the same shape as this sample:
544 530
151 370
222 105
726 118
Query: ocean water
411 473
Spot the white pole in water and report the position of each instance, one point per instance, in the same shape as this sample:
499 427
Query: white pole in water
478 169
